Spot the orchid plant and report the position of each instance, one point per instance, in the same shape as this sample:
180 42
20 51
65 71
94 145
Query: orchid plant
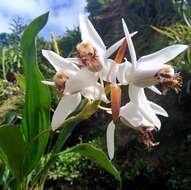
80 82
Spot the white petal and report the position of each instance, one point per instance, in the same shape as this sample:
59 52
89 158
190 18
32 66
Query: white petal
130 45
112 72
137 96
158 109
134 93
150 116
48 83
109 72
147 111
110 139
163 56
104 71
123 73
116 45
132 117
145 76
89 34
154 89
73 60
60 64
82 79
65 107
95 92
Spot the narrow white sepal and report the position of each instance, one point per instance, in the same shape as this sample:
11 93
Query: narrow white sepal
154 89
66 106
116 45
110 139
130 45
50 83
60 64
113 48
162 56
89 34
137 96
158 109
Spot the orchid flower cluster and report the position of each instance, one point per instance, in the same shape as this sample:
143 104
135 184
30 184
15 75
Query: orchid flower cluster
87 74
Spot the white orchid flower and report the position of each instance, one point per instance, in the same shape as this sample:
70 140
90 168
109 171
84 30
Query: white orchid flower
93 45
92 54
150 69
78 76
139 114
72 82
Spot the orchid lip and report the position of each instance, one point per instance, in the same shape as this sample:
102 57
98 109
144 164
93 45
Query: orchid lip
148 137
59 81
169 79
87 55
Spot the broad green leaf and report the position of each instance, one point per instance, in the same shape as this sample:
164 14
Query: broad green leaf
12 149
37 96
86 110
86 150
99 156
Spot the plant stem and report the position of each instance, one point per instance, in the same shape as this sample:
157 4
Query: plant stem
3 63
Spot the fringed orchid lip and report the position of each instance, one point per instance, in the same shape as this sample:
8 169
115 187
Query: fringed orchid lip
115 88
169 79
148 137
59 81
88 57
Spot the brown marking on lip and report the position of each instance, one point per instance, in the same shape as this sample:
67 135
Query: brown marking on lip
87 56
59 81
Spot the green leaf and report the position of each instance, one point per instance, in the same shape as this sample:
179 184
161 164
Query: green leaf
37 96
86 110
86 150
163 32
99 156
21 81
12 149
